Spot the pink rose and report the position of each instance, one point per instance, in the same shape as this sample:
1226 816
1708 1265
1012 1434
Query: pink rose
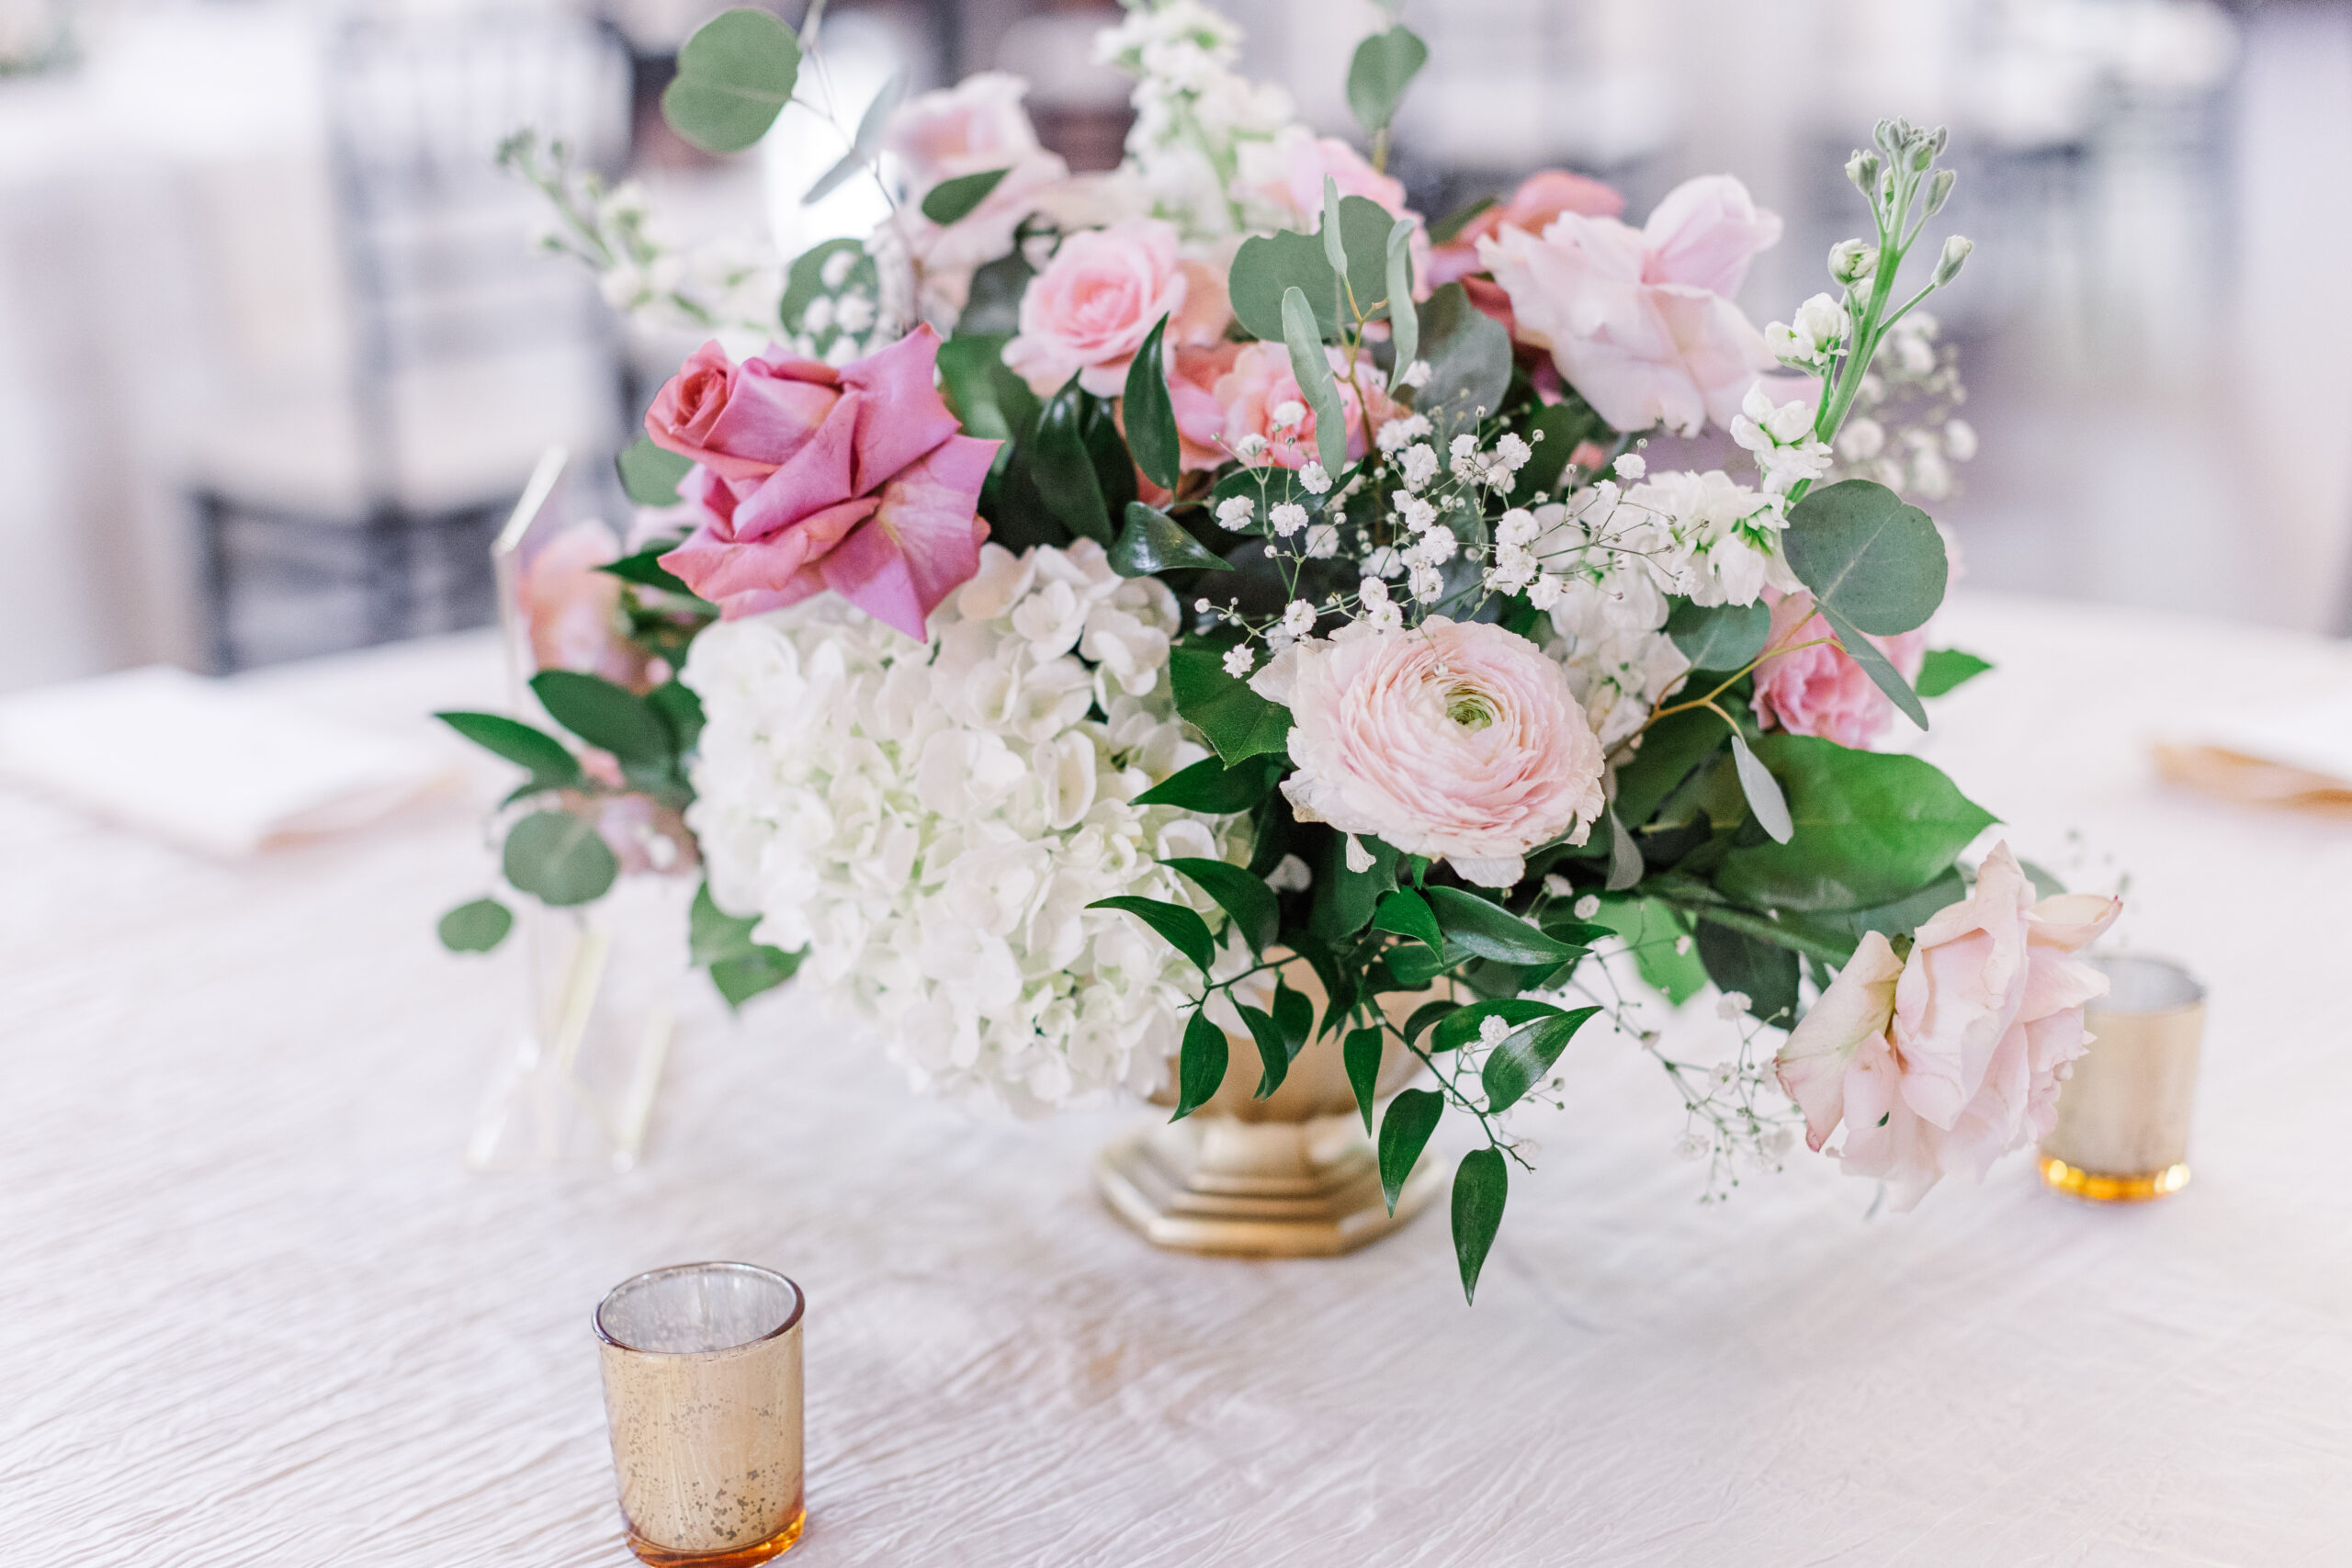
1259 382
1540 198
1640 321
1308 159
1089 311
1942 1061
978 124
855 479
1820 690
1459 742
571 609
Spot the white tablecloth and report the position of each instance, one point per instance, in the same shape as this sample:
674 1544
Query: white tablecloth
252 1309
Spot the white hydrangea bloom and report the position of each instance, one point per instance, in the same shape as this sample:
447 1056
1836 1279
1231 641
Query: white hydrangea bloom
934 820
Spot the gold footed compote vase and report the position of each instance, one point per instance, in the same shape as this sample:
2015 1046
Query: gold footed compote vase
1289 1175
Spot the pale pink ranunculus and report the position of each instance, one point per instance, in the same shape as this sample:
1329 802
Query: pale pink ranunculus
1259 382
1641 321
1540 200
1821 690
808 477
1940 1062
571 609
1457 740
1094 305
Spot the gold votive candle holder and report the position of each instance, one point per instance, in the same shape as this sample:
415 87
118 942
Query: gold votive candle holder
703 1394
2123 1129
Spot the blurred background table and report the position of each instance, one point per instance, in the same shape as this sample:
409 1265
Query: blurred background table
255 1311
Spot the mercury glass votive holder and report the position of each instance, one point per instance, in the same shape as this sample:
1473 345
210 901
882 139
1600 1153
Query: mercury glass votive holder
703 1394
2123 1129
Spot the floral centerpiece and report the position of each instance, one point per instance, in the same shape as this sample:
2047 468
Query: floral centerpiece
1100 593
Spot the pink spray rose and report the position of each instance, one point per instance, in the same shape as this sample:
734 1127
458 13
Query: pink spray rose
1540 198
1640 321
1460 741
1307 159
1940 1062
973 127
570 608
855 479
1260 383
1090 309
1820 690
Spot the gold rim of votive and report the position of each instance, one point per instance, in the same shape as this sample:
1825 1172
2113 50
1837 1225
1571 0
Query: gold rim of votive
2097 1188
799 1306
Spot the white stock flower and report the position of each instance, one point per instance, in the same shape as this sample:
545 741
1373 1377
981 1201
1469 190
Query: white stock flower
933 821
1782 437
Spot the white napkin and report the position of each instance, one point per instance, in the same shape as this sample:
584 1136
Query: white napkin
2298 757
206 763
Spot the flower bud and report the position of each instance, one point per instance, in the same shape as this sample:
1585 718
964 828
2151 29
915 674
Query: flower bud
1937 140
1940 190
1956 251
1851 261
1862 169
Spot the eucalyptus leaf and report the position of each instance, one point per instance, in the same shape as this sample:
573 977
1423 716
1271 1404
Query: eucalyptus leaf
1268 266
1868 557
1185 931
1625 864
1236 721
951 201
1243 895
1481 1185
1404 318
649 475
1719 637
877 118
1470 362
1762 790
805 284
1362 1053
1150 415
1200 1066
1405 1132
1527 1053
482 925
1384 65
735 74
1312 369
558 859
837 175
1335 246
1877 666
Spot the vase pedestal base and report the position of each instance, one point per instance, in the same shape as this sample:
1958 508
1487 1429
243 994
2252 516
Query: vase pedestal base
1216 1184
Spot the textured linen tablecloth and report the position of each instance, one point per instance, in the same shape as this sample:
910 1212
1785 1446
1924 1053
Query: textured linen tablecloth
253 1310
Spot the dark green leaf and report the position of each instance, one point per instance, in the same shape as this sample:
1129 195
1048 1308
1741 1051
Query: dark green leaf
1200 1069
735 74
1184 929
747 975
1407 914
1469 356
1273 1052
1383 64
649 475
1413 966
1443 231
994 304
1462 1027
1763 791
680 710
1405 1132
1294 1015
558 859
1344 899
713 934
1719 637
1490 931
1150 416
951 201
1527 1053
1672 749
1481 1184
1867 556
1339 981
1869 829
605 714
1063 469
1764 973
1115 470
1946 668
482 925
1208 786
1154 542
645 570
1234 720
1245 897
991 401
1806 934
1426 1014
552 765
1363 1053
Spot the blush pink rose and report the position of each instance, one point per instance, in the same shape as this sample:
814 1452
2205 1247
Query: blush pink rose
1940 1062
571 609
1089 311
1460 741
973 127
1640 321
1259 381
808 477
1540 200
1308 159
1821 690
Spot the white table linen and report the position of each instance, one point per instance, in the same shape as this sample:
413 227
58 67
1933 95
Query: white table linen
252 1309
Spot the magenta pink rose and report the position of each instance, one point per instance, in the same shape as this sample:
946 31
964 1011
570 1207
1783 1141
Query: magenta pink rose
808 477
1640 321
1260 383
1940 1062
1089 311
1819 690
1540 200
1460 741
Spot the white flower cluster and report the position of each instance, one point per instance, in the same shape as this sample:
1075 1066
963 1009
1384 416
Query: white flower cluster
1197 121
1902 430
1781 435
844 320
933 821
1810 341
